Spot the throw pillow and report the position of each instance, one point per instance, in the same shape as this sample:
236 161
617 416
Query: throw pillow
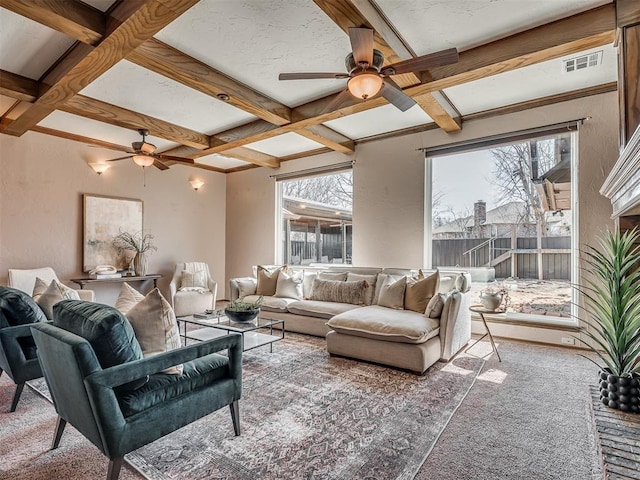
380 281
267 281
18 308
339 291
194 280
307 283
105 328
392 293
461 283
246 286
371 287
289 286
155 326
419 291
341 276
127 298
47 296
435 306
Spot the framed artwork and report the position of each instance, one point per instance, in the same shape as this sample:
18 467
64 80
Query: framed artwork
104 218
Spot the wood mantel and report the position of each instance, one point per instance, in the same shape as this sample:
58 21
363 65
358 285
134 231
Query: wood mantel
622 186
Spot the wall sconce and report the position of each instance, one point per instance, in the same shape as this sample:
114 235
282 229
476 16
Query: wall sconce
196 184
100 168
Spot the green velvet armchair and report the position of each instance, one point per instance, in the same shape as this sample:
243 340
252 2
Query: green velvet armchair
18 355
108 405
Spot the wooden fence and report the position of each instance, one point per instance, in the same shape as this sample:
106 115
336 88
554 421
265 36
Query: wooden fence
556 256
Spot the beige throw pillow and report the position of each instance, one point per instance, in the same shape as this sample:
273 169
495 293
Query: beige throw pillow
289 286
420 290
380 281
127 298
47 296
392 293
339 291
340 276
267 281
194 280
371 285
246 286
435 306
155 326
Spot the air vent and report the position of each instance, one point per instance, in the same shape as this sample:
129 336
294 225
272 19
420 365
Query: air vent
582 62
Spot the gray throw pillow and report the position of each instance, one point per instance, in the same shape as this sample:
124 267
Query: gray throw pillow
339 291
392 293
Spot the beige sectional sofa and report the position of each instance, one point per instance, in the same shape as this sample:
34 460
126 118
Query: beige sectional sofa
391 336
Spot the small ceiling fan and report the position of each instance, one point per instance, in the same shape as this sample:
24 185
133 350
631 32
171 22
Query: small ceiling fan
143 154
367 76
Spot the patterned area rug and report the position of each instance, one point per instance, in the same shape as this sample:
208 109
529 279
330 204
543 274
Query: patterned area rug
305 415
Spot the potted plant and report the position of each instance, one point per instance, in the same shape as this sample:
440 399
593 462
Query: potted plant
240 311
612 298
135 242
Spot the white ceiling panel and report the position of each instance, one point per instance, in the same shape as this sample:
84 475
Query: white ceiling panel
534 81
130 86
98 130
378 120
253 41
286 144
439 24
221 161
38 46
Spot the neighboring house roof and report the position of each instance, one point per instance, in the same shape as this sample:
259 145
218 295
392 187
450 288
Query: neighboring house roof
507 214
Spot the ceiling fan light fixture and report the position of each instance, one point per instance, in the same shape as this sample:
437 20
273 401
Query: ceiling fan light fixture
143 160
365 85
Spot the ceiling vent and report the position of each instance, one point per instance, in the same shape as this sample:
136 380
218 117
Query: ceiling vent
582 62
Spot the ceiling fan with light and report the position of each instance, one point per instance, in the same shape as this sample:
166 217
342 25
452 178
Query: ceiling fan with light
367 76
144 156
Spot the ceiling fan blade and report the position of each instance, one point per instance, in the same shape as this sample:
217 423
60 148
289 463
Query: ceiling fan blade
424 62
337 101
119 158
397 97
361 44
171 158
307 76
159 165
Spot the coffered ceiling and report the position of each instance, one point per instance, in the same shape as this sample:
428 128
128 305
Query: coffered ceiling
98 70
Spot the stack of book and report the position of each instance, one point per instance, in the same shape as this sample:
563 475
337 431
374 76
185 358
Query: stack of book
104 276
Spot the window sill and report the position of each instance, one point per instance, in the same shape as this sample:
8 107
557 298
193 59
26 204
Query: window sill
525 320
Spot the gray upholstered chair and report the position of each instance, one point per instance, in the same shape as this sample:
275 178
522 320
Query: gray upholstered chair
190 302
18 356
107 403
25 280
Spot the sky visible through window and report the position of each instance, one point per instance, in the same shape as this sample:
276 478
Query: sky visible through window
462 179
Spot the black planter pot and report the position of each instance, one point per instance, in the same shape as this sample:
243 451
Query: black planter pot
620 393
242 317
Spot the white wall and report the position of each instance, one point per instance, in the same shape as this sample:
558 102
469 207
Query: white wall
42 179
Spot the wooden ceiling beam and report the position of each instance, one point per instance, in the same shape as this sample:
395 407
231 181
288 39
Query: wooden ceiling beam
18 87
589 29
81 139
253 156
71 17
129 25
171 63
328 137
121 117
353 13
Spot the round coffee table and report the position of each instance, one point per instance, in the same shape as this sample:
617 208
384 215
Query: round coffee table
479 309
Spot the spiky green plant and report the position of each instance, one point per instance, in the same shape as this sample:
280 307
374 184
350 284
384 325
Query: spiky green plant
239 305
612 293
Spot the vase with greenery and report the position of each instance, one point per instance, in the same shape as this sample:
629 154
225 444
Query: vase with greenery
611 291
136 242
240 310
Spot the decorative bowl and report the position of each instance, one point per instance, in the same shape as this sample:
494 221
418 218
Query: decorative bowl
242 317
491 301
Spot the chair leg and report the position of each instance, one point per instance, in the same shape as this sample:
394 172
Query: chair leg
16 396
114 468
58 434
235 417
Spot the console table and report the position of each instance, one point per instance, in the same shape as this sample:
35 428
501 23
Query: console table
87 280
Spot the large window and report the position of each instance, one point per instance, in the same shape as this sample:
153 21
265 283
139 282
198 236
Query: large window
505 212
315 219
